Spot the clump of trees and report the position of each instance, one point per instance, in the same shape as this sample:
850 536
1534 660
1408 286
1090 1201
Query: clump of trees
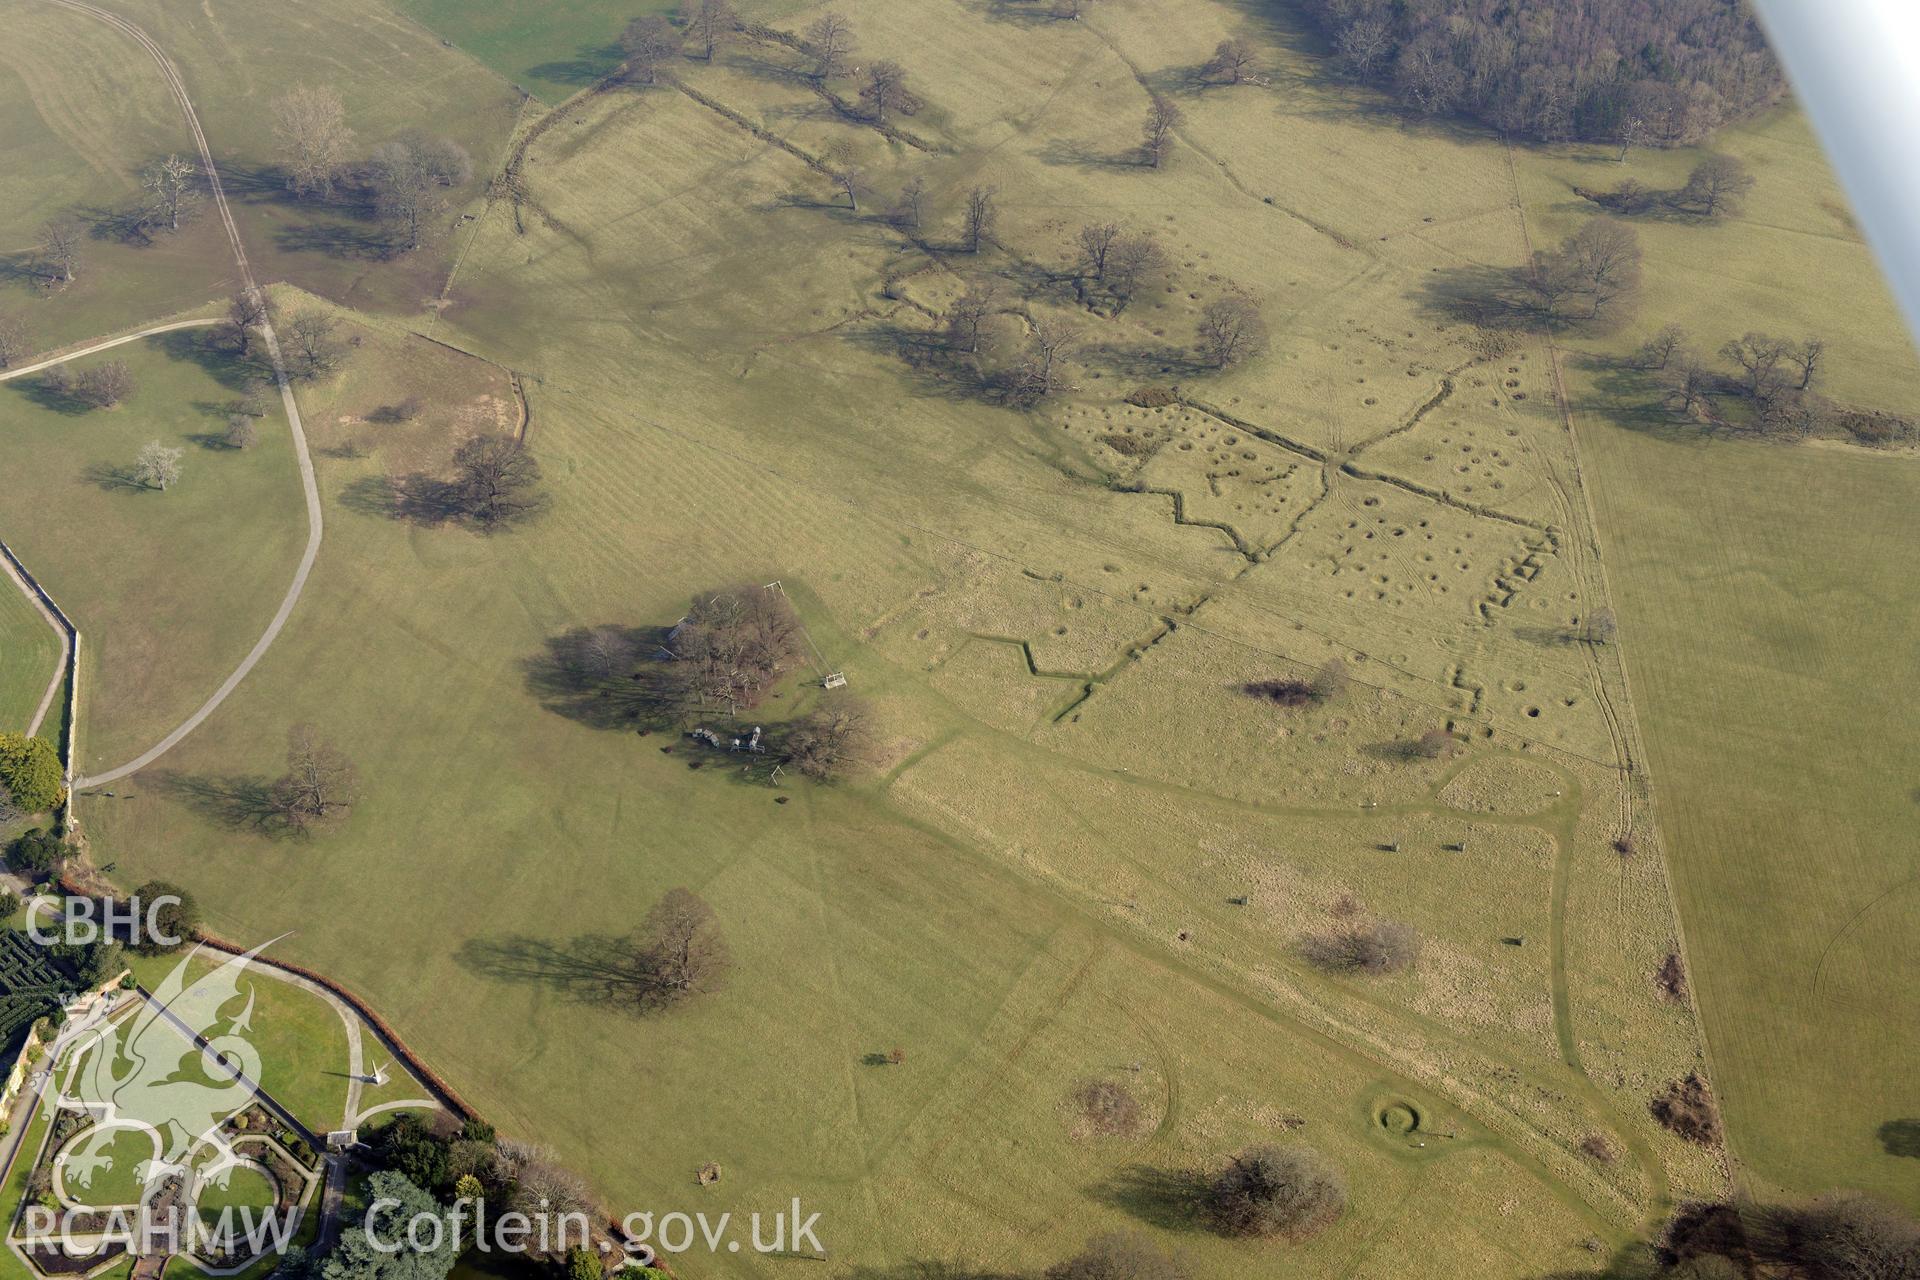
1119 1256
310 127
319 786
1838 1236
37 854
176 918
1288 1192
1372 947
1766 384
1688 1109
410 177
157 466
1233 61
836 740
735 642
1593 276
1715 188
1114 262
30 771
1596 70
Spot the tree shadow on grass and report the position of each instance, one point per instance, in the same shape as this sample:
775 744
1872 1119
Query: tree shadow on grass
926 1269
598 969
1901 1138
45 395
236 802
417 499
590 64
113 477
1169 1199
213 350
609 677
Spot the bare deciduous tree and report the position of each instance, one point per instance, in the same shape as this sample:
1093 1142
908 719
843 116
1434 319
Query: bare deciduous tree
1688 385
1658 351
1096 244
1432 744
1131 259
831 39
1119 1256
16 343
1717 185
846 172
1291 1192
320 783
310 124
710 21
736 642
60 247
1364 46
104 385
836 740
1051 342
1231 329
497 480
410 176
978 219
242 431
1605 259
681 948
313 339
967 317
648 42
157 466
1599 627
1156 135
885 89
174 187
1805 356
911 208
247 310
1330 681
1759 357
1231 63
1379 946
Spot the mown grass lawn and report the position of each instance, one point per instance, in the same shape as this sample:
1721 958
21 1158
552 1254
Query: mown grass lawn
170 589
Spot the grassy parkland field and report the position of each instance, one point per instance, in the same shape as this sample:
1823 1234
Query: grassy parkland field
1089 854
207 560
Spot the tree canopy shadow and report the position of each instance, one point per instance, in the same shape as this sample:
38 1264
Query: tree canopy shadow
236 802
1169 1199
598 969
590 64
609 677
416 498
1901 1138
114 477
38 391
